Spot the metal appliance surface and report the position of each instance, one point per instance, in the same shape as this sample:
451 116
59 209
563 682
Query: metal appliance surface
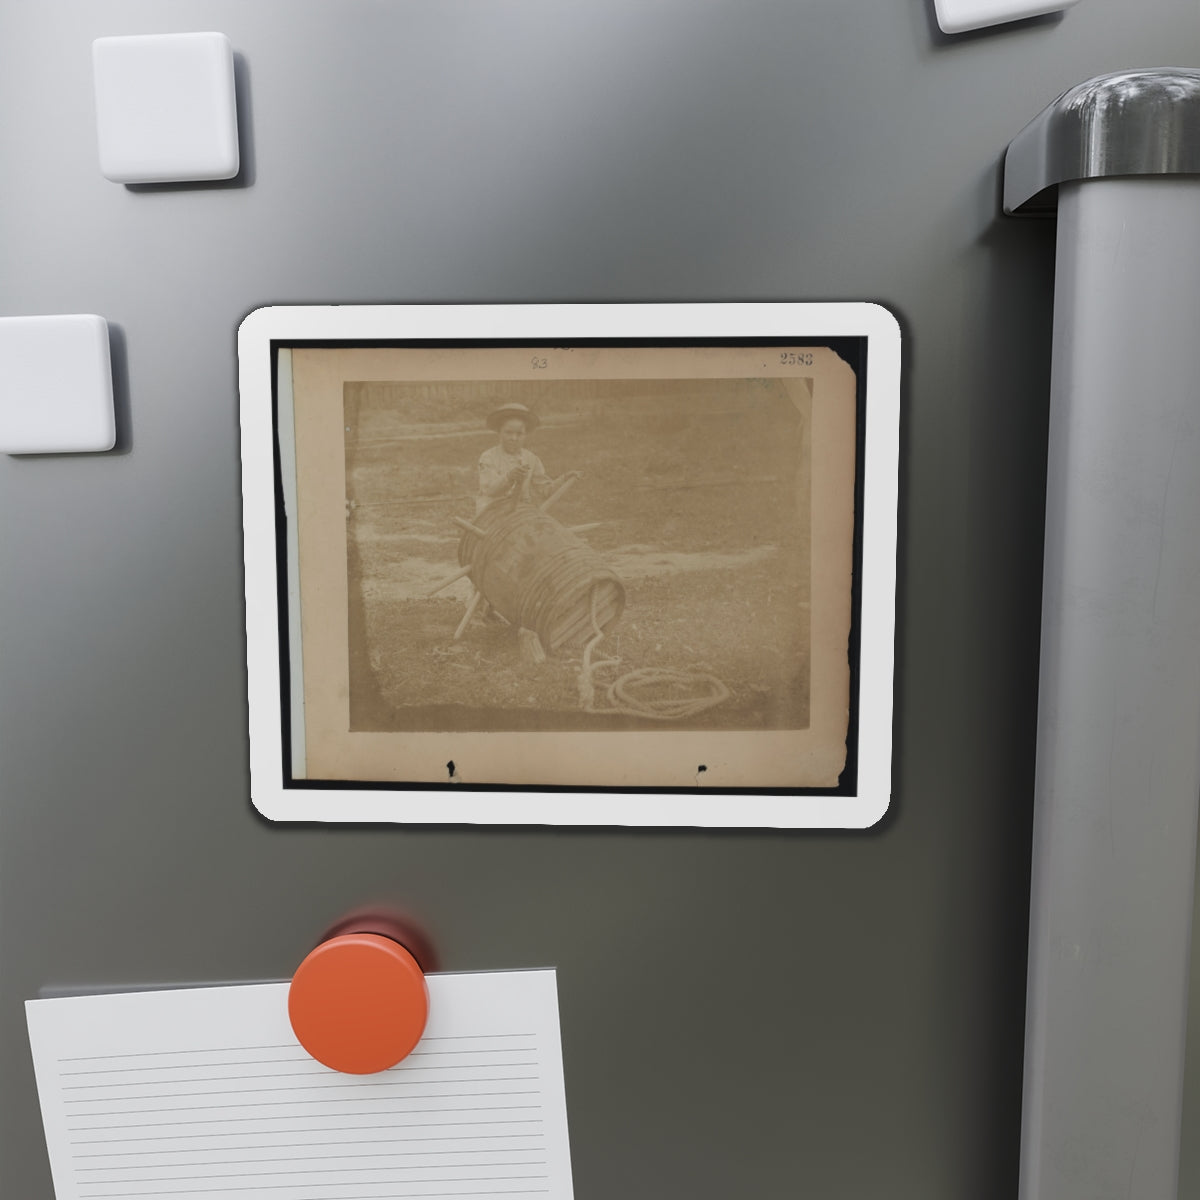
754 1014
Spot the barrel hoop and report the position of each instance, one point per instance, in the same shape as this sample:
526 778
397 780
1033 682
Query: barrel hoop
562 579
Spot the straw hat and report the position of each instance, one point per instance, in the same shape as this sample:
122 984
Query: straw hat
497 418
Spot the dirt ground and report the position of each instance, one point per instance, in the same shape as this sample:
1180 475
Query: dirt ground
701 494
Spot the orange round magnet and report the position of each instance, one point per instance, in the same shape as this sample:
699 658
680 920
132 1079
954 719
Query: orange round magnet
358 1003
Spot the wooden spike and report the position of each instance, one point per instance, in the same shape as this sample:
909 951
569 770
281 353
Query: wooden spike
471 607
530 646
559 491
449 580
585 528
462 523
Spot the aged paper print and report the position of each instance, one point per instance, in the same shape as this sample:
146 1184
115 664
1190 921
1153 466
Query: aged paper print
662 551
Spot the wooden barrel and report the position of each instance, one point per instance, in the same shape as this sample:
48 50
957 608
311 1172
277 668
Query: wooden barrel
538 575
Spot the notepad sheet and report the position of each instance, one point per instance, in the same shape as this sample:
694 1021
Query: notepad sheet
206 1092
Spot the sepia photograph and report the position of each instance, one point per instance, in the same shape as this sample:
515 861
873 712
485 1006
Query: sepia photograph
577 567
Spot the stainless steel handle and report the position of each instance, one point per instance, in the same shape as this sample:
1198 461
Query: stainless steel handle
1127 123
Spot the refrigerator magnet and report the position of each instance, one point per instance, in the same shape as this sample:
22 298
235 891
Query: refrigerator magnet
571 564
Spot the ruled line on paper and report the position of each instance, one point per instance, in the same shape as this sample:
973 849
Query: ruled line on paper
470 1037
399 1070
211 1121
291 1115
379 1095
291 1122
341 1185
307 1174
342 1101
295 1158
269 1133
273 1104
279 1104
148 1053
320 1087
254 1162
299 1060
306 1087
307 1068
400 1089
179 1137
337 1195
341 1172
266 1133
393 1079
400 1099
424 1125
427 1125
414 1125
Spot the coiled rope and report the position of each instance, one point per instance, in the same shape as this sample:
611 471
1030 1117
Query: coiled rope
628 693
546 605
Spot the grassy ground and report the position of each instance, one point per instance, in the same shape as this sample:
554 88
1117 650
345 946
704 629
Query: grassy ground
702 495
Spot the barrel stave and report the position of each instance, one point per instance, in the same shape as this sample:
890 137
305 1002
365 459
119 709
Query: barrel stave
538 575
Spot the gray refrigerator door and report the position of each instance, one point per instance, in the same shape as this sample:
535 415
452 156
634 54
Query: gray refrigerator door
752 1014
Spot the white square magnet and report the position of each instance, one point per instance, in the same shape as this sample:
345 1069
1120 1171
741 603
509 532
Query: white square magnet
166 109
56 393
959 16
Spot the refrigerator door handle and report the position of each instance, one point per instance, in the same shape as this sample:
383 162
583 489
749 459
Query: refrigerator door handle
1127 123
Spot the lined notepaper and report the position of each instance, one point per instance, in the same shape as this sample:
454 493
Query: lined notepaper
206 1092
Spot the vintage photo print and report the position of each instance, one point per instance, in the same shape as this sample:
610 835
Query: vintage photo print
594 566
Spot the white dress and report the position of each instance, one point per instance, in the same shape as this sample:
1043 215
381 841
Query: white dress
495 465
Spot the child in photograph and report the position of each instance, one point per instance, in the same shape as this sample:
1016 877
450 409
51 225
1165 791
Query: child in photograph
506 465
